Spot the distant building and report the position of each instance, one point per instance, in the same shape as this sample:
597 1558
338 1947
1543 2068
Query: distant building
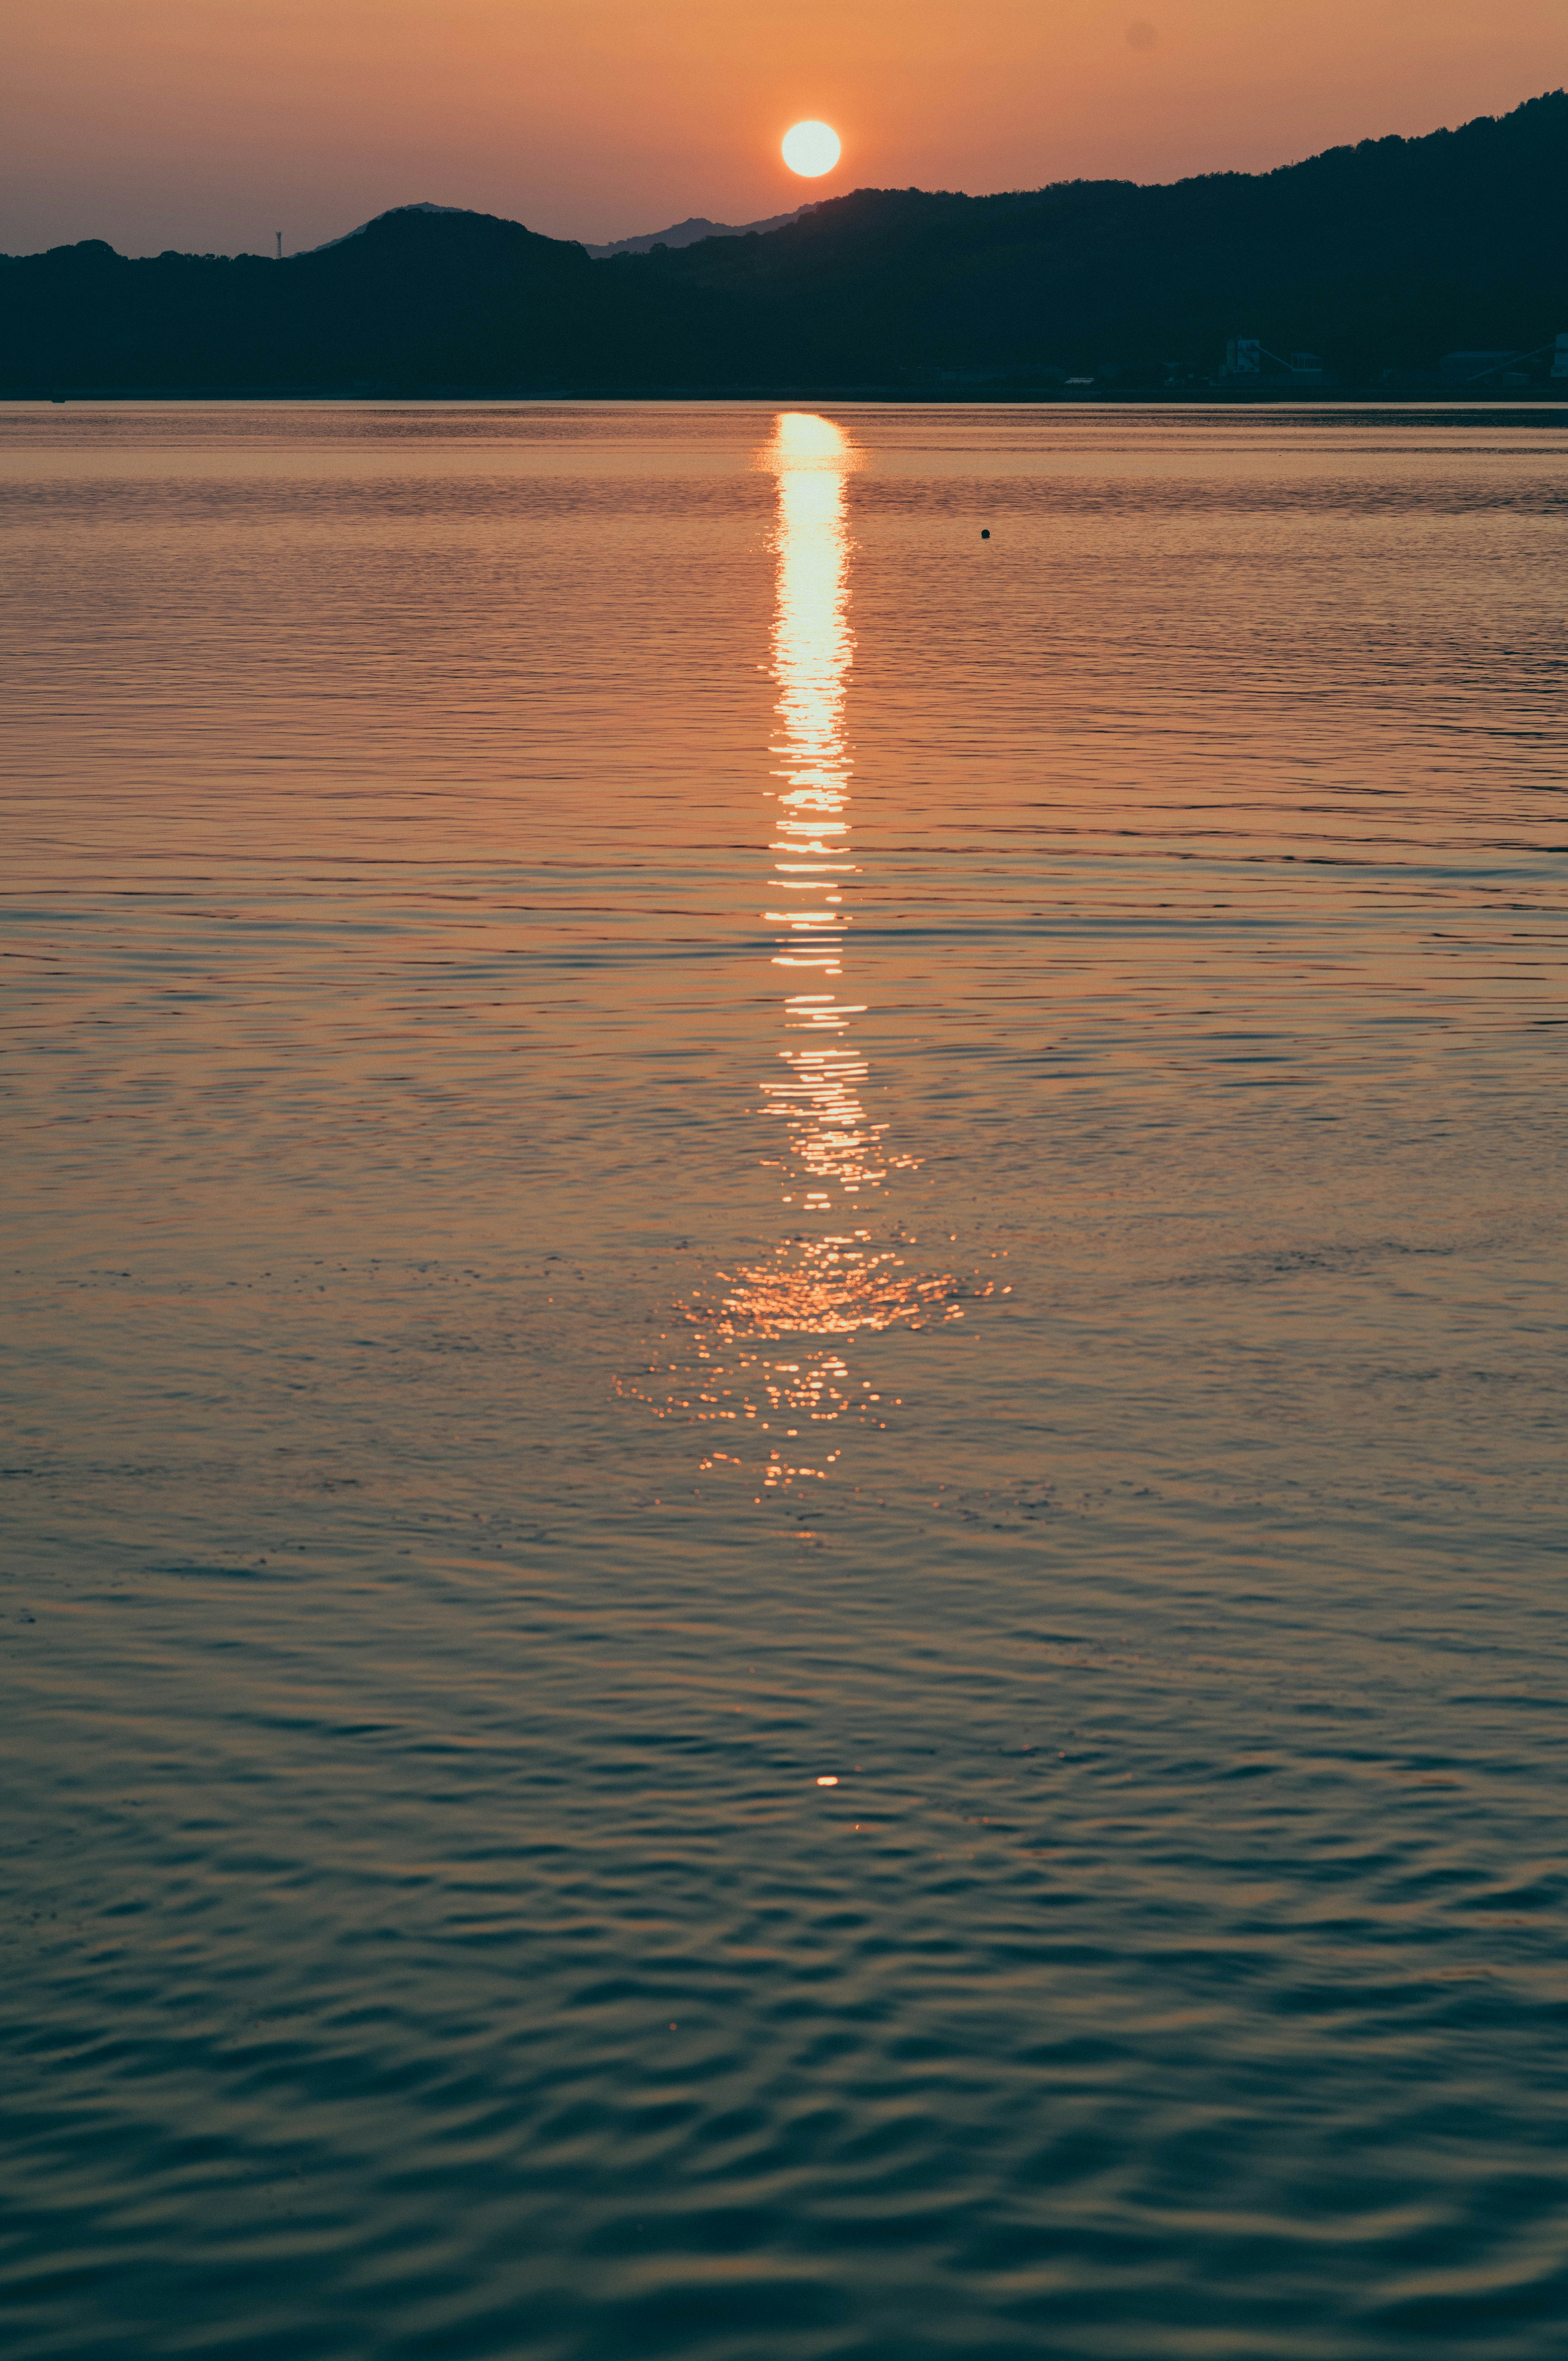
1494 370
1249 362
1462 368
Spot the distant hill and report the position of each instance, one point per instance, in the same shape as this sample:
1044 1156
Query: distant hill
691 233
416 297
1378 257
423 206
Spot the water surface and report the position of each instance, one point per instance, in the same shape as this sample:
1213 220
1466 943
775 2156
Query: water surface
674 1132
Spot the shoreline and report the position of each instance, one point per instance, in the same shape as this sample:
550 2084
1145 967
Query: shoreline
966 398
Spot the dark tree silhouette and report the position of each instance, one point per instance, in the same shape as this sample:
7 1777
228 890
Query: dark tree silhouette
1378 257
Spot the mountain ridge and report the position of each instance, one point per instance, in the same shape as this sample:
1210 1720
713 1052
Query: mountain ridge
1381 256
691 232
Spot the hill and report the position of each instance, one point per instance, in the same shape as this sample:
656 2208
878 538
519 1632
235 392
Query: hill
1379 257
690 232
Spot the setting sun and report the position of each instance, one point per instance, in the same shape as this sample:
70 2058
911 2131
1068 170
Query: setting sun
811 149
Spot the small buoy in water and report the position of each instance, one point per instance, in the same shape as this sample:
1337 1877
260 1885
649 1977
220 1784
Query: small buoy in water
985 533
831 1780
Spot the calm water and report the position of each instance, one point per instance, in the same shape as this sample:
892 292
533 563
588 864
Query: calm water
676 1132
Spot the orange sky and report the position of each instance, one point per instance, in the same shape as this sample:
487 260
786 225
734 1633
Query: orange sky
207 125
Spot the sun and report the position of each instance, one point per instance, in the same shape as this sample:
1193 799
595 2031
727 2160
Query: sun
811 149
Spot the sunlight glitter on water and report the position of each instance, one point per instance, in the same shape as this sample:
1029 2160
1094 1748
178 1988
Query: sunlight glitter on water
829 1282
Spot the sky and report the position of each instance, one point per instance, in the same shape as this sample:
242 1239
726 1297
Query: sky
206 125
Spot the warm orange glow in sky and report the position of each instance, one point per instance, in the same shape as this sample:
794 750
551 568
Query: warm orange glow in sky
207 125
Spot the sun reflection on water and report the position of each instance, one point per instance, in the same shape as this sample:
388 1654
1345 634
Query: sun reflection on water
828 1277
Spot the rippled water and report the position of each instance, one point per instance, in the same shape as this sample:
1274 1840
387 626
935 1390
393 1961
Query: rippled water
785 1384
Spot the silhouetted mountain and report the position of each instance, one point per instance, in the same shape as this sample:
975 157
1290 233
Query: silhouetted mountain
421 206
1384 255
415 296
691 232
